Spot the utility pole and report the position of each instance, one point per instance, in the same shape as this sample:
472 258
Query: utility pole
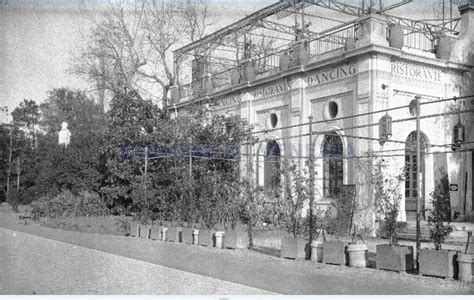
145 175
311 179
9 170
190 159
418 186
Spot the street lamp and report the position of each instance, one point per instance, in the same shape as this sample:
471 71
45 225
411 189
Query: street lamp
385 129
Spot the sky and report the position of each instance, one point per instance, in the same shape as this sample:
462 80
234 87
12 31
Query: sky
37 38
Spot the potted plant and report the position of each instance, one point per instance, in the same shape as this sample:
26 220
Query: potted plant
358 251
392 257
335 251
438 262
296 191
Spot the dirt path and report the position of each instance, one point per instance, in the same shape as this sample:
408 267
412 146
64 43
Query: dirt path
251 269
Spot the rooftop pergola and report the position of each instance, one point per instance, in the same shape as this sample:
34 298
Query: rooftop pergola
321 25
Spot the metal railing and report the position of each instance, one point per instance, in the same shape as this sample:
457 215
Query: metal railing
331 41
418 40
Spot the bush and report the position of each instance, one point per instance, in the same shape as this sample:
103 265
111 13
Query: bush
66 204
440 218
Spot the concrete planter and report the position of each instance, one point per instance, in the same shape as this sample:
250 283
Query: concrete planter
236 239
439 263
394 258
219 239
206 237
444 47
284 61
293 248
195 237
145 231
317 251
134 229
187 235
396 36
174 234
164 234
358 255
349 44
466 267
155 232
335 252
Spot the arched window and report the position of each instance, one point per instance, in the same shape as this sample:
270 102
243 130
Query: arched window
272 165
332 151
410 173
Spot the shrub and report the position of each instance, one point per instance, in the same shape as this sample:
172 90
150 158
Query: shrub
440 218
67 204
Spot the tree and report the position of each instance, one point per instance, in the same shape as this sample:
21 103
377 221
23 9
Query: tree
79 166
130 45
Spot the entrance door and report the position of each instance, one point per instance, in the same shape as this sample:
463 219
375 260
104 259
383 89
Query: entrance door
411 187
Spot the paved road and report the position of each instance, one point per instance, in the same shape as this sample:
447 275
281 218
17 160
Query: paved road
36 265
246 268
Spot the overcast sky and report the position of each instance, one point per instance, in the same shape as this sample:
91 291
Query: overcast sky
36 38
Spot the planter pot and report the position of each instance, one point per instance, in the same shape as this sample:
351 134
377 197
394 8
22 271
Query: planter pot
249 71
444 47
187 235
396 35
236 239
293 248
235 76
303 55
284 61
335 252
317 251
155 232
195 237
349 44
174 234
441 263
358 255
206 237
466 267
219 239
134 229
164 234
145 231
394 258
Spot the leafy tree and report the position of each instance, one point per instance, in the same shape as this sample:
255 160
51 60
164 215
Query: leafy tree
79 166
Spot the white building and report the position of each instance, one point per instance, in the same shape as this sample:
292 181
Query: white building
372 61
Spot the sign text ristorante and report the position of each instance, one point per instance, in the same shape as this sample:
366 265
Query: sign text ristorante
415 72
271 90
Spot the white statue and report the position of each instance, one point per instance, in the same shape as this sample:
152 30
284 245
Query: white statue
64 135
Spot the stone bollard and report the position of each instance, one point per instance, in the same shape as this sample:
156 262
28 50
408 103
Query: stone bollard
195 237
357 255
163 234
317 251
466 262
219 239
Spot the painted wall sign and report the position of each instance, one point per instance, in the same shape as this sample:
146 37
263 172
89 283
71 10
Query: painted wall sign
416 72
331 75
228 101
271 90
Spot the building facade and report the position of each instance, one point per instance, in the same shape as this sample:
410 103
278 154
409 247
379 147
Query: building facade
347 78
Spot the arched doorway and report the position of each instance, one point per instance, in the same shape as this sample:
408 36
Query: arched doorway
333 171
411 187
271 168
